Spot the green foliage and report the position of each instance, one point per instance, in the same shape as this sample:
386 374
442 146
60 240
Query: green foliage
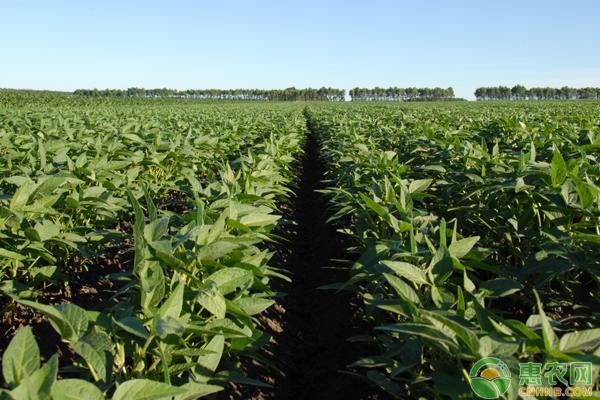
457 215
183 315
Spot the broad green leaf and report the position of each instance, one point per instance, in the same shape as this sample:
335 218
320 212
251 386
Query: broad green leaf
41 381
21 196
166 326
173 305
419 185
133 325
253 305
558 171
586 198
442 298
372 362
373 205
229 279
11 254
47 229
256 219
461 247
494 346
21 358
403 289
59 321
98 351
152 214
441 266
75 389
215 250
195 390
211 298
208 364
369 258
550 338
156 229
580 340
145 389
76 316
408 271
454 388
501 287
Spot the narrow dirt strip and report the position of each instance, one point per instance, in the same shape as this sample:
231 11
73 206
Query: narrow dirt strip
310 327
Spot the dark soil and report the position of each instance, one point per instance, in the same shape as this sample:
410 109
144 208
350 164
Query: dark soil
310 327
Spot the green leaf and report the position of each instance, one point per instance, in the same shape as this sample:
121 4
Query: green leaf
195 390
152 214
156 229
21 358
228 279
215 250
442 298
253 305
454 388
257 219
461 247
97 350
174 304
41 381
586 198
408 271
550 338
495 346
412 352
558 171
211 298
133 325
374 206
580 340
208 364
32 235
501 287
419 185
21 196
145 389
58 320
403 289
441 266
75 389
76 316
167 326
47 230
369 258
11 254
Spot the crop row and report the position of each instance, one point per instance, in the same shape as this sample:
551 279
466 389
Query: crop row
200 186
475 233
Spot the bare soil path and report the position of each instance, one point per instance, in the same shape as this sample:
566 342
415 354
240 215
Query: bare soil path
310 327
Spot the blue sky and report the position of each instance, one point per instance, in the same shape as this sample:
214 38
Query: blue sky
66 45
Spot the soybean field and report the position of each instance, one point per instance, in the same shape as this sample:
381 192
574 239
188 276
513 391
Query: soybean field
183 249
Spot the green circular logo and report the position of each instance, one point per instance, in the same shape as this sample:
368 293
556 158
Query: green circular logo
490 378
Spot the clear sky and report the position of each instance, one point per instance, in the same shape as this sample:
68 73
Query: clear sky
222 44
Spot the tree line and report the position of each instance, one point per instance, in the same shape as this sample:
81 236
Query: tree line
519 92
289 94
400 94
